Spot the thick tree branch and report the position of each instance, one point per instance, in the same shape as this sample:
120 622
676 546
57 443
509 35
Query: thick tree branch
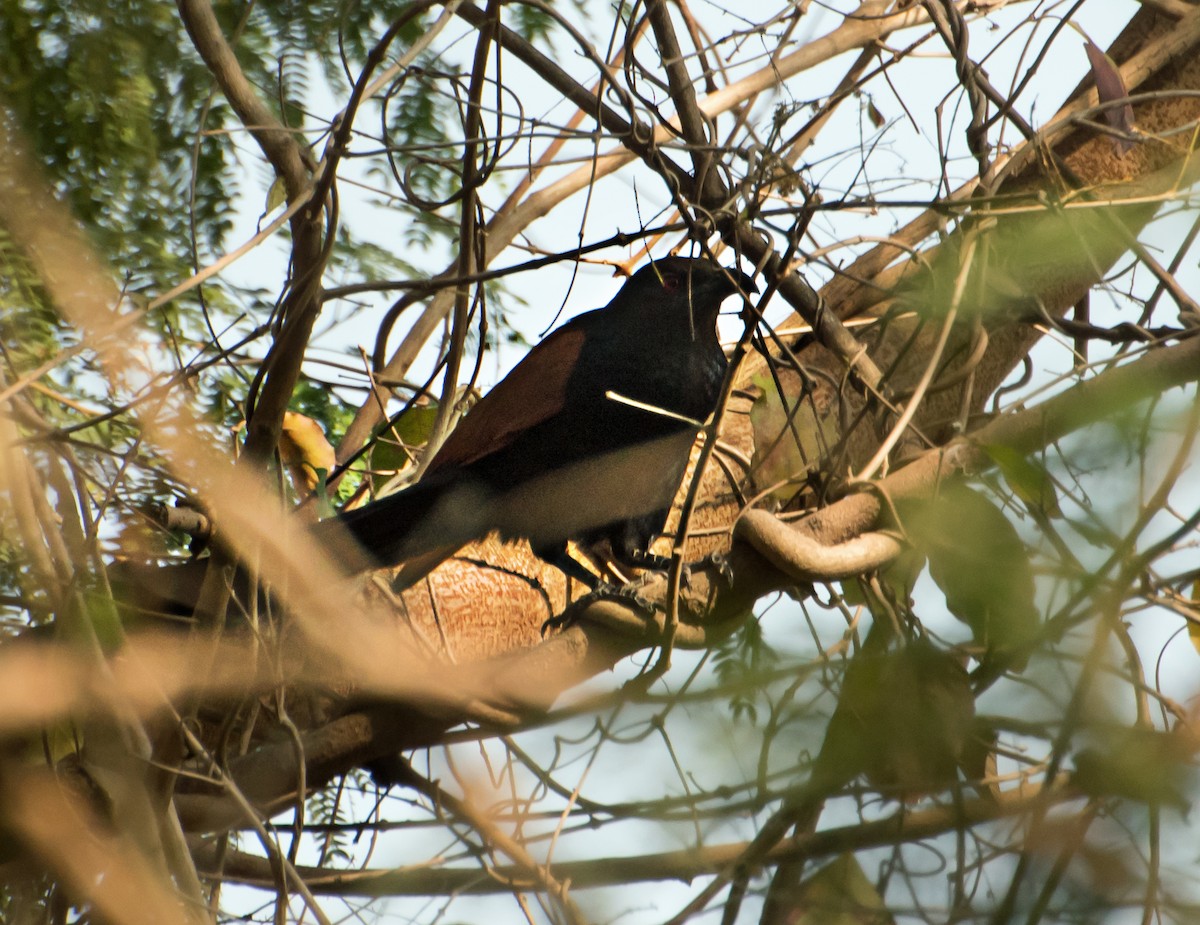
805 559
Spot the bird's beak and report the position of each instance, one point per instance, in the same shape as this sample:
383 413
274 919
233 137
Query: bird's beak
747 286
737 280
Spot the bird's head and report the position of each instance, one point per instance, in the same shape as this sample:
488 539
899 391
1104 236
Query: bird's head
691 286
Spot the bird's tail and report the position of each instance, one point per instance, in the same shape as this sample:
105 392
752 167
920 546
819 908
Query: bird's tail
428 517
415 526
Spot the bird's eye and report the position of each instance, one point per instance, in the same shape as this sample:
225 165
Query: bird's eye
670 282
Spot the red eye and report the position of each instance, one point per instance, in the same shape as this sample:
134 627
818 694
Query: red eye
670 282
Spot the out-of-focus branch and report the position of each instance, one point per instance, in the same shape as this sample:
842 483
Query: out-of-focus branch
904 827
96 864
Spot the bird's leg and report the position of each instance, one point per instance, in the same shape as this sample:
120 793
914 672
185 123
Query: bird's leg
558 556
629 595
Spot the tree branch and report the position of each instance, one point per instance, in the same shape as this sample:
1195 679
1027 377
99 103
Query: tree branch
903 827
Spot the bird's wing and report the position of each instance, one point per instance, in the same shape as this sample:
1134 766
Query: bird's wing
533 392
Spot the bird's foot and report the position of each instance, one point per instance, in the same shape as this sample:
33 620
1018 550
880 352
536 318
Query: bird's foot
719 562
629 594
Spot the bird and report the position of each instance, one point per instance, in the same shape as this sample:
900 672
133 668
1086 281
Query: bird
587 438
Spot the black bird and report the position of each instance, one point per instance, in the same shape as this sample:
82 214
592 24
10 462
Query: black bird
586 439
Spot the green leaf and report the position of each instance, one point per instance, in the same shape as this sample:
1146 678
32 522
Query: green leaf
393 448
904 718
980 564
853 594
785 453
1028 479
993 270
1193 625
899 576
1144 765
840 894
276 195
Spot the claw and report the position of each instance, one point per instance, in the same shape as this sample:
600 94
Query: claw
647 560
717 561
720 562
604 591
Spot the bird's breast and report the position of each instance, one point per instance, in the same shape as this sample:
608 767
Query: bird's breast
625 483
684 383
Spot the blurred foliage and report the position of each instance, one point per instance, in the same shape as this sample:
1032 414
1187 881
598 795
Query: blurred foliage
131 130
110 97
1028 478
903 718
30 332
1137 763
741 662
980 564
840 893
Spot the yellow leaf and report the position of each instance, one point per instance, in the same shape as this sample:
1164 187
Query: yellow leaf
276 195
307 454
1193 625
